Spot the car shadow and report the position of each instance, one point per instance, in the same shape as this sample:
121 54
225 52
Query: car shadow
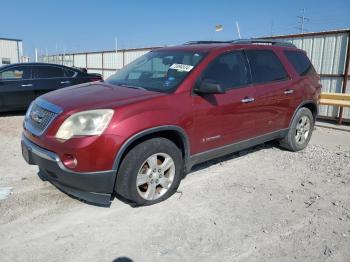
266 145
43 177
198 167
11 114
123 259
204 165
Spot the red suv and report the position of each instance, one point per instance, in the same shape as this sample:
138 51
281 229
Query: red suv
137 133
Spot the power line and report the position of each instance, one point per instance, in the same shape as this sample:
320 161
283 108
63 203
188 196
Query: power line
302 22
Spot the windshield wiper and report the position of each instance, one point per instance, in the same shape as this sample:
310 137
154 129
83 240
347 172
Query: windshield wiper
131 86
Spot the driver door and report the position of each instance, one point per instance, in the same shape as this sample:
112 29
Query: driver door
223 119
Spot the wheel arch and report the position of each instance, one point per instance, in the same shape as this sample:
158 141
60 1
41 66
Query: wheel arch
311 105
174 133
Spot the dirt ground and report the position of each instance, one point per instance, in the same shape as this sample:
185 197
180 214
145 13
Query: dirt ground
263 204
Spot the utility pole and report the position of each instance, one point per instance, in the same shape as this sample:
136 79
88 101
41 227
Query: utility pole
302 22
238 31
36 54
64 54
271 28
116 52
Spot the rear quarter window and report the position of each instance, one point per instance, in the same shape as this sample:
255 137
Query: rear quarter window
69 73
300 62
265 66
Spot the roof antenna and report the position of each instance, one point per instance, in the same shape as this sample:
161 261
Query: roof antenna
238 31
116 50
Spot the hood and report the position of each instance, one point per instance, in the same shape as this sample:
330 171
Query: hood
96 95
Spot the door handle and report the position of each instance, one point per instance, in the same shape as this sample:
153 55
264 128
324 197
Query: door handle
247 100
288 91
27 85
65 82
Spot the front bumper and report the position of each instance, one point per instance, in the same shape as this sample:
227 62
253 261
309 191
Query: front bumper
94 187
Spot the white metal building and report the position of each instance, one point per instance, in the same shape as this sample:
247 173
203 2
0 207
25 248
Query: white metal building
11 51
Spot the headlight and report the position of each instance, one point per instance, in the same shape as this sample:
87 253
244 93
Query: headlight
86 123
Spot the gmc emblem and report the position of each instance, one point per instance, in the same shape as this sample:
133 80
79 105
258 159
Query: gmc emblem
36 116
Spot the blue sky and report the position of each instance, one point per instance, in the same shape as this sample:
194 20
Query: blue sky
92 25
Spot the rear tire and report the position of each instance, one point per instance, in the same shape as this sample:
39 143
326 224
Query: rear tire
300 131
150 172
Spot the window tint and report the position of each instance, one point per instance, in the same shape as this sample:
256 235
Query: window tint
300 62
47 72
265 66
229 70
69 73
18 72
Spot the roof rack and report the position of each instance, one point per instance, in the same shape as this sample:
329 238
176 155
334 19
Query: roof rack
263 42
206 42
244 41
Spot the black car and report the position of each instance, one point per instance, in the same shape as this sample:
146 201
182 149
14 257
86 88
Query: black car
20 84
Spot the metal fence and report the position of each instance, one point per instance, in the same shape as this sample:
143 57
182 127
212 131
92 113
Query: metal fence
330 54
105 63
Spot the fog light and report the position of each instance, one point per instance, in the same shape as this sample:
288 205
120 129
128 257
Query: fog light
69 161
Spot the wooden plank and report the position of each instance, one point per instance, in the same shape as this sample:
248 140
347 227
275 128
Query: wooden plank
334 102
335 96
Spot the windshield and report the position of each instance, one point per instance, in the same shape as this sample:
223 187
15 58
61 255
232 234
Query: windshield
160 71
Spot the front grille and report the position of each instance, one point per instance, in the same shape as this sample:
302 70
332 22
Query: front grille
38 118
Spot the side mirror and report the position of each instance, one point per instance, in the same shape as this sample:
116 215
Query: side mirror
209 87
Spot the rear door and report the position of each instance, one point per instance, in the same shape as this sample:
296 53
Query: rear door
16 87
222 119
48 78
305 81
274 90
70 78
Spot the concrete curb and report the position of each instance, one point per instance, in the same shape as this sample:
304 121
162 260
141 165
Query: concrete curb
332 126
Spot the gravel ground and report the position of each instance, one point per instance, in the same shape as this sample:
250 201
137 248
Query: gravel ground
263 204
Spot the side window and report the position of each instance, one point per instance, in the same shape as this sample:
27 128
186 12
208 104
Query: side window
300 62
18 72
47 72
229 70
69 73
265 66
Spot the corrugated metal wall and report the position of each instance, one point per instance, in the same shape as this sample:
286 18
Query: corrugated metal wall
10 49
105 63
328 53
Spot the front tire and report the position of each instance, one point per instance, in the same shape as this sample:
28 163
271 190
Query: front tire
300 131
150 172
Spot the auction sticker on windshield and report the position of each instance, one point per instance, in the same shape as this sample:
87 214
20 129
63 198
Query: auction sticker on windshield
181 67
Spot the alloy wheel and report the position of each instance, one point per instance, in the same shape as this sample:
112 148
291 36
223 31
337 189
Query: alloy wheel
155 176
302 130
